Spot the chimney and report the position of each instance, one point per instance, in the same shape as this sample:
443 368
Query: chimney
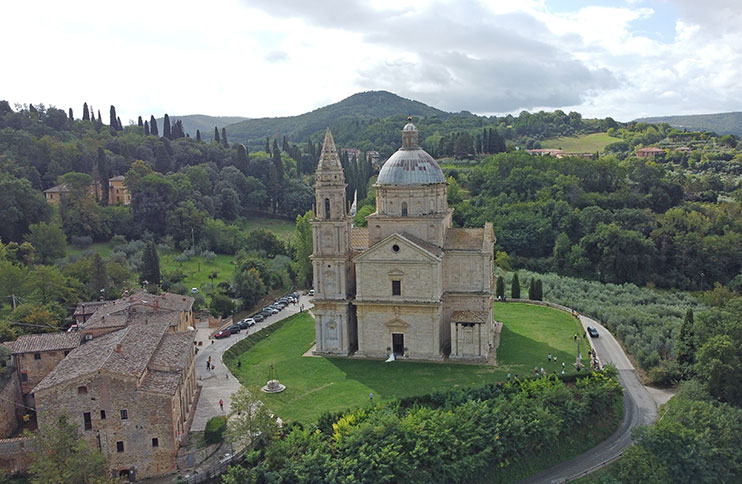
118 348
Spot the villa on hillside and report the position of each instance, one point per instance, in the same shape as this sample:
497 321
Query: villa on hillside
118 194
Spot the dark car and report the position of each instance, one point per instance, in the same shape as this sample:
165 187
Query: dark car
258 317
593 332
244 324
224 333
235 328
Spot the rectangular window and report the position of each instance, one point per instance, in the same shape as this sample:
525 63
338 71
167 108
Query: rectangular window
119 446
82 390
102 414
24 376
124 414
87 421
37 356
155 442
396 288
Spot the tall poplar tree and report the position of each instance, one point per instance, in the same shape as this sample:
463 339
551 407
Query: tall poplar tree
225 143
198 135
85 112
146 128
113 122
153 126
140 123
216 134
70 115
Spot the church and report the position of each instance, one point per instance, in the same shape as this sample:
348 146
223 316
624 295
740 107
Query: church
410 284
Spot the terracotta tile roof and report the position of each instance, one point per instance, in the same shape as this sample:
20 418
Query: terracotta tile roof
57 189
432 248
359 238
650 149
88 307
117 178
464 239
173 351
34 343
125 352
469 317
160 382
129 310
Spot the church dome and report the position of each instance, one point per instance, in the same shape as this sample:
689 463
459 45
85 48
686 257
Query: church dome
410 165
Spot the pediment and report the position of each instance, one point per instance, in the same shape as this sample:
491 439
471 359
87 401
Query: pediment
396 323
384 251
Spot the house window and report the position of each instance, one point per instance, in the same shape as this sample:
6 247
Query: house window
155 442
404 209
396 288
124 414
88 337
37 356
327 208
119 446
24 376
82 390
102 414
87 421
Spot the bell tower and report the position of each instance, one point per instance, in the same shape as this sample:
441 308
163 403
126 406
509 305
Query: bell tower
334 279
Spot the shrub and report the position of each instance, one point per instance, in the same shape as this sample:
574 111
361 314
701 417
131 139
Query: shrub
81 241
215 428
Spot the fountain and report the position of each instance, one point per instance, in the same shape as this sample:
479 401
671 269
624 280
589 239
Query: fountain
273 385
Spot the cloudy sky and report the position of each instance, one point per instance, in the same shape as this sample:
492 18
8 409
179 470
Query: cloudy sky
255 58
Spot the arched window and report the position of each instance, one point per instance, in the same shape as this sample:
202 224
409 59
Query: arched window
404 209
327 208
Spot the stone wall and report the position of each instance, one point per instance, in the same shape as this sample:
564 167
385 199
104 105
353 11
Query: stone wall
148 416
10 397
419 324
15 455
36 366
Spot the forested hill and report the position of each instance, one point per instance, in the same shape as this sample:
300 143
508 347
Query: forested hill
206 124
719 123
361 106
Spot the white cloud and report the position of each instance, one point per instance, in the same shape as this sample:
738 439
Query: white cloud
267 58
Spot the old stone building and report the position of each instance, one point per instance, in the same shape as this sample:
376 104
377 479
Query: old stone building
410 283
131 390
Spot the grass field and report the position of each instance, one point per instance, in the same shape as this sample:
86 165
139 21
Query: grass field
316 385
198 269
282 228
588 143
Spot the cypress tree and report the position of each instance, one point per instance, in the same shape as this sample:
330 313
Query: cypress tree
112 122
278 162
198 135
532 289
500 288
100 119
685 347
178 131
150 265
153 126
242 159
225 143
146 128
98 278
70 115
140 123
285 144
120 126
92 116
216 134
166 131
539 290
103 173
515 287
267 145
85 112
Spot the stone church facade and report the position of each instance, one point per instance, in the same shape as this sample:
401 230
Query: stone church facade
410 283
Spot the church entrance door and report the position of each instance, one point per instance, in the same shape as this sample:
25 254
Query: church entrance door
398 343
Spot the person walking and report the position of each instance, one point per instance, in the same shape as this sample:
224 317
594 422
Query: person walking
221 404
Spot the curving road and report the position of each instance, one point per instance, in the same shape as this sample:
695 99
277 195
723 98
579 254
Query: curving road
640 408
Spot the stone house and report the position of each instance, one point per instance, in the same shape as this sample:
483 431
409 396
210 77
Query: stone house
34 356
395 286
118 193
651 152
131 391
139 307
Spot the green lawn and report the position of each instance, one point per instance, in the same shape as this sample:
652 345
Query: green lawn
198 269
315 385
282 228
588 143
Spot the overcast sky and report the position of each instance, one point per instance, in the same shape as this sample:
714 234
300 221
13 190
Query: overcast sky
255 58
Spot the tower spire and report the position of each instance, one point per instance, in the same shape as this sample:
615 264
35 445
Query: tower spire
329 159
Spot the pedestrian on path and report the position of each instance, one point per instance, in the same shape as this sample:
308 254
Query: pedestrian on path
221 404
239 363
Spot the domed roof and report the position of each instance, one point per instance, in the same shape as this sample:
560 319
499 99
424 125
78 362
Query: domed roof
410 165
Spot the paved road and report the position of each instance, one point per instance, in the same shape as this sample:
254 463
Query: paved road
639 409
219 384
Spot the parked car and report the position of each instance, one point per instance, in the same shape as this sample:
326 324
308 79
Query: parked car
258 317
593 332
249 322
243 324
311 292
224 333
272 310
235 328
